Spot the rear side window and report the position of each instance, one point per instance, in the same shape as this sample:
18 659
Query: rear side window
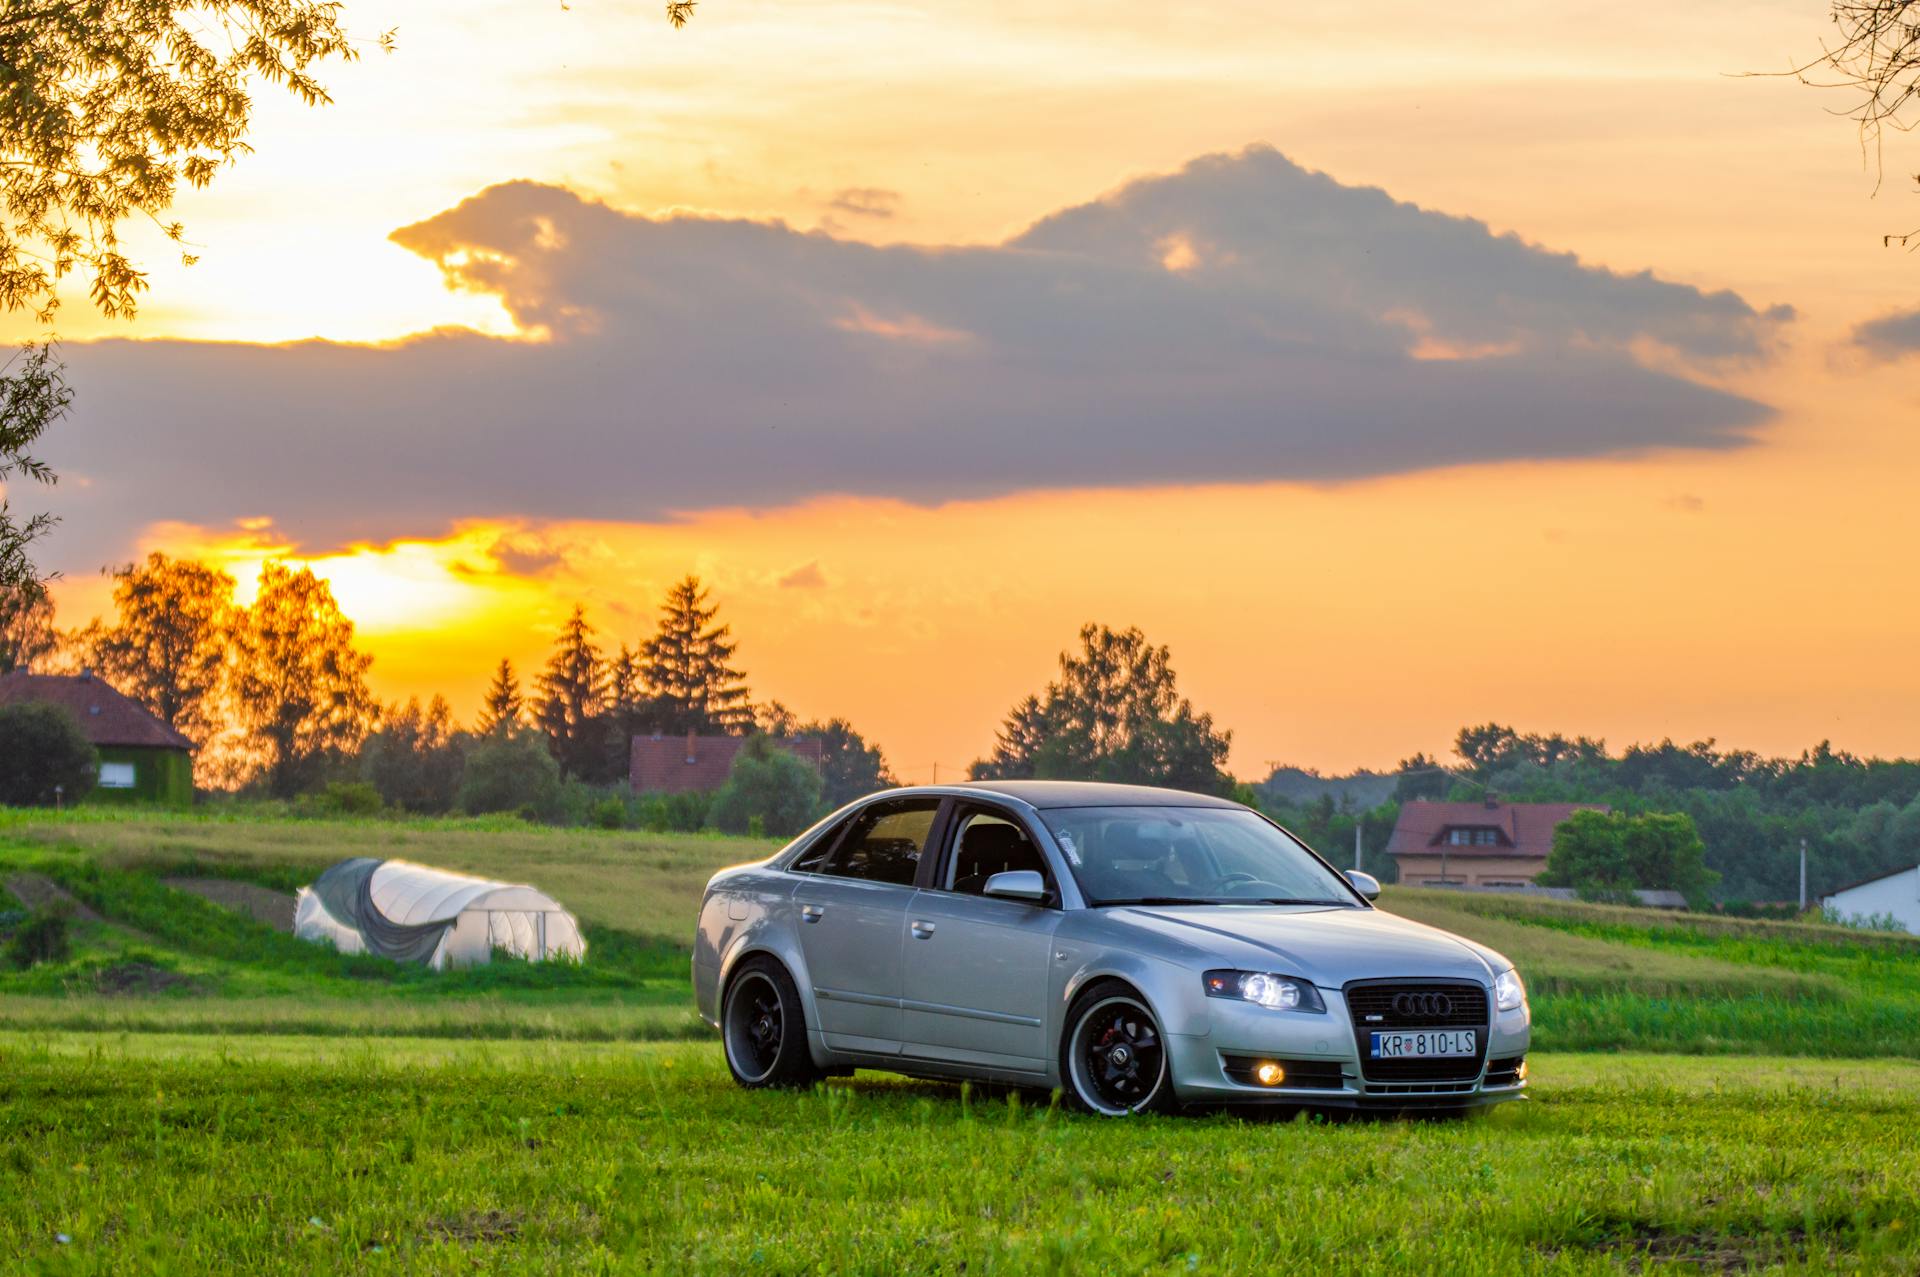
884 842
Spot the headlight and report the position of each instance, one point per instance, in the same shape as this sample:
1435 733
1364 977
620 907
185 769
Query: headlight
1508 993
1279 992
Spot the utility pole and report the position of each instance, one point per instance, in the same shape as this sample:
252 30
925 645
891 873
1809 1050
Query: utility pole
1803 875
936 773
1357 863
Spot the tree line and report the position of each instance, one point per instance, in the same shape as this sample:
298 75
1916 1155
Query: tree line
1860 817
275 699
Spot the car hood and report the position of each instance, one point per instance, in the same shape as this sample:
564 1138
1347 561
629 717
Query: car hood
1327 946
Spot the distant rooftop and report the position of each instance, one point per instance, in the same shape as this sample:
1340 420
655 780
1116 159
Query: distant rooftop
106 716
1522 830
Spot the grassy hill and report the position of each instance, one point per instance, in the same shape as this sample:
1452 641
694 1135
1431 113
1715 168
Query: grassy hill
161 959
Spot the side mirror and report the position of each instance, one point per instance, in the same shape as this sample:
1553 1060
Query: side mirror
1018 884
1364 883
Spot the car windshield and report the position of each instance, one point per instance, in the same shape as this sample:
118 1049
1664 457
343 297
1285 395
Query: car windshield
1189 855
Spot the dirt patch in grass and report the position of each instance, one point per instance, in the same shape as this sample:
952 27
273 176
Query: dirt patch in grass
476 1226
35 890
135 979
263 904
1651 1245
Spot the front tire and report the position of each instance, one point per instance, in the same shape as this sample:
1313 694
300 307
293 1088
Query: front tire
763 1028
1113 1055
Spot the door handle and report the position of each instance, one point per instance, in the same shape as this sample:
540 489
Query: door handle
922 930
810 913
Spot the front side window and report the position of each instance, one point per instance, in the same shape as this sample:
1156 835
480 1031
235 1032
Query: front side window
883 843
1190 855
986 843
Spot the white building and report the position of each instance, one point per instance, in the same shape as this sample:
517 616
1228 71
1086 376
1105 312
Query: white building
1895 894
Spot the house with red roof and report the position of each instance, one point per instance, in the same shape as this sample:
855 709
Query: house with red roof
141 758
674 764
1483 844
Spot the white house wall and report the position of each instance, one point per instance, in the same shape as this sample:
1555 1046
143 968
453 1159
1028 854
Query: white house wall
1897 894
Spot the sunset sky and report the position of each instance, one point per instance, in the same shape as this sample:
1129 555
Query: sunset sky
1399 368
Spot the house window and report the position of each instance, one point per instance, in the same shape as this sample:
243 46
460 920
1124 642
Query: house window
1469 837
116 775
1486 838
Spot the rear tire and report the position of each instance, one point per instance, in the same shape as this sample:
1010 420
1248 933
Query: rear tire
1113 1055
763 1029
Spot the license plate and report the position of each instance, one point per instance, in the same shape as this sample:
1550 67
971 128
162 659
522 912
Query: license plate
1421 1044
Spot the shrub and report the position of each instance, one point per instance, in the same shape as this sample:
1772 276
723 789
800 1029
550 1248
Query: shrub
609 813
41 748
1605 856
342 798
769 784
682 813
42 937
510 773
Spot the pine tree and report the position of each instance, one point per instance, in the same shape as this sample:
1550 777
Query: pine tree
500 711
573 693
685 666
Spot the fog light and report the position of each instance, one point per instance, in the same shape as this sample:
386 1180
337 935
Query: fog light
1270 1074
1520 1074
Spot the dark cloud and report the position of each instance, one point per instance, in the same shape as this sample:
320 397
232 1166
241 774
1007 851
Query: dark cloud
1890 336
866 201
1243 319
809 577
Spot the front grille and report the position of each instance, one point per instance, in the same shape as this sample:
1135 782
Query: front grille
1504 1072
1436 1004
1313 1075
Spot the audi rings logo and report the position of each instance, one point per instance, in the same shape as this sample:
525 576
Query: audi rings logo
1422 1004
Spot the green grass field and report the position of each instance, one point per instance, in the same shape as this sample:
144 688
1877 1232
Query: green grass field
154 1153
193 1091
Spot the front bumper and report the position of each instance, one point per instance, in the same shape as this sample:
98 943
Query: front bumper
1320 1051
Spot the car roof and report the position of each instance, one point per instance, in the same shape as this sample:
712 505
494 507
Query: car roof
1085 793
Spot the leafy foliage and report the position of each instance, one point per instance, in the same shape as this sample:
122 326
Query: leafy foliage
108 106
1114 715
31 399
299 684
686 666
27 636
415 759
768 786
42 937
1607 855
167 646
510 771
41 749
850 768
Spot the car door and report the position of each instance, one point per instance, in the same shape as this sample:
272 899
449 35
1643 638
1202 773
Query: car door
852 912
976 966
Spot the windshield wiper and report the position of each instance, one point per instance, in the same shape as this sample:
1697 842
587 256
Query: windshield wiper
1281 900
1159 900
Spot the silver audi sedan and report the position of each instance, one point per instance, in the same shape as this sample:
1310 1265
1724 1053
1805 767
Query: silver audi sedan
1139 949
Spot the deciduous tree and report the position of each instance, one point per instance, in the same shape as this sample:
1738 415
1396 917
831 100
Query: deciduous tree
167 646
41 751
109 106
415 757
299 684
33 395
1115 714
27 636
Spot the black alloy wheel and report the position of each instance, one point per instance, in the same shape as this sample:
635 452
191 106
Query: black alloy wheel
1116 1059
763 1029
